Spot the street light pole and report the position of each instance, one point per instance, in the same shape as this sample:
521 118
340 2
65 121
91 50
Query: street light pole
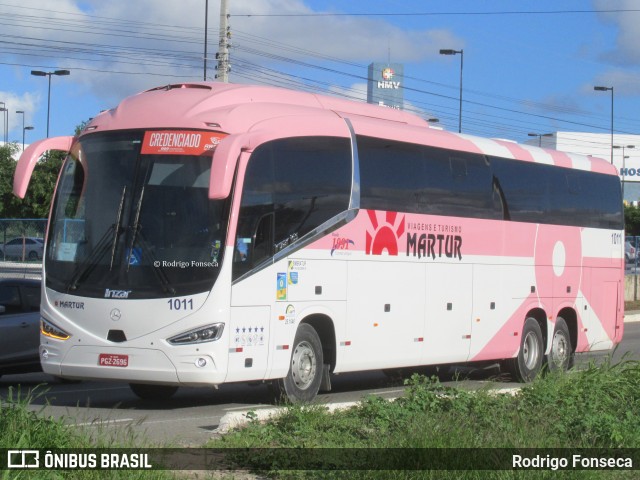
5 130
454 52
22 112
40 73
606 89
624 157
29 127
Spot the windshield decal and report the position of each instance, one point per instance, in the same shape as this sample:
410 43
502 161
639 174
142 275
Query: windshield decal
178 142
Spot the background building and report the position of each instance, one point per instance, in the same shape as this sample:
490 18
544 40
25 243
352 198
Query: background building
626 153
385 85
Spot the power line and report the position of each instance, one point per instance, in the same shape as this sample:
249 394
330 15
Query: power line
434 14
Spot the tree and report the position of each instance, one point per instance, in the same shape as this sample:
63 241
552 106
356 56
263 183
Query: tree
9 204
38 198
632 220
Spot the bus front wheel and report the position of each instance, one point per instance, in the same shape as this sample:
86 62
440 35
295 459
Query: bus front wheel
527 364
153 392
305 370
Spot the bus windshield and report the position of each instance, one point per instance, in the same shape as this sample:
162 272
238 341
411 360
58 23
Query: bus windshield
134 223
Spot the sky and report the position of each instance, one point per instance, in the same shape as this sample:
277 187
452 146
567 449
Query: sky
529 66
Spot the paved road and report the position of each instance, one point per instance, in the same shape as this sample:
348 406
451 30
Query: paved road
192 416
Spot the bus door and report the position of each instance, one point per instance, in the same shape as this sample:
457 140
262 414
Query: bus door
448 293
385 316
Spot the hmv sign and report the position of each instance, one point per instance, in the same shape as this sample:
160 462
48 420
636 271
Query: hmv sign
385 85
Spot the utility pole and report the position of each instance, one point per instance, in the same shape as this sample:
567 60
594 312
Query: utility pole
223 66
206 28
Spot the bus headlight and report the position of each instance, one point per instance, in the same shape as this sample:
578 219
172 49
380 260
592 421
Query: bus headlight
208 333
48 329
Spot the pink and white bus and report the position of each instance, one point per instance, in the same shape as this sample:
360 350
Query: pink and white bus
207 233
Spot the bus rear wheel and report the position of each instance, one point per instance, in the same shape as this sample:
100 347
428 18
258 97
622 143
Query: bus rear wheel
561 355
153 392
302 383
527 364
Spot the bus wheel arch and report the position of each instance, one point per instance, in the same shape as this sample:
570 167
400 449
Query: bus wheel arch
526 365
324 327
304 376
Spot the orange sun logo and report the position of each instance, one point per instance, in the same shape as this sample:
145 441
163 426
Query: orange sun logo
385 236
387 74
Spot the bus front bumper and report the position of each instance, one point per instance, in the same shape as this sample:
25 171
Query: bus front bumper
134 365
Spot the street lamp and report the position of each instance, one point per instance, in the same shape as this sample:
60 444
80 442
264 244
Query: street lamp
5 118
22 112
23 130
624 173
454 52
5 130
40 73
540 135
606 89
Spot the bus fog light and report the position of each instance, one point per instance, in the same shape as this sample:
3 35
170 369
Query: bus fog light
201 362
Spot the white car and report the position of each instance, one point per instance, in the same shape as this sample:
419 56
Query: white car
629 252
27 248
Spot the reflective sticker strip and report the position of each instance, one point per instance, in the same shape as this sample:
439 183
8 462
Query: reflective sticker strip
282 347
235 349
345 344
419 339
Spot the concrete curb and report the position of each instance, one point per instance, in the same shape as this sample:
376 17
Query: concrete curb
630 317
232 420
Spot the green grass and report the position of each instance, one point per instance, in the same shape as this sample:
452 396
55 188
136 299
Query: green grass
593 408
25 428
596 407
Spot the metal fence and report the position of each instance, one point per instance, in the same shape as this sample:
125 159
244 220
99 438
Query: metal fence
21 247
632 255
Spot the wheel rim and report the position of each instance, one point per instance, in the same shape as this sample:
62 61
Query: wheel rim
530 351
560 349
303 365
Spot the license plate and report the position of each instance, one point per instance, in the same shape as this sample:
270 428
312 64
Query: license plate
113 360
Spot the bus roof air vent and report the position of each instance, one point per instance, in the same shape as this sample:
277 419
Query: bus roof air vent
171 86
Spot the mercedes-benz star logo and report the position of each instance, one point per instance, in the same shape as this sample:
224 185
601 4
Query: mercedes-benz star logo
115 315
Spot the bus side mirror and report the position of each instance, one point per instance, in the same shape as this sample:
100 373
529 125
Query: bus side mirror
30 157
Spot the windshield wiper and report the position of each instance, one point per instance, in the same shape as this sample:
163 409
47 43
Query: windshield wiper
136 226
147 251
158 269
83 269
117 227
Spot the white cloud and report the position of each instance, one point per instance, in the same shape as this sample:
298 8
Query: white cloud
625 82
628 35
26 102
162 42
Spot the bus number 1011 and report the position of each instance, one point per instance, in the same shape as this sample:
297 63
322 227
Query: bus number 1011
180 304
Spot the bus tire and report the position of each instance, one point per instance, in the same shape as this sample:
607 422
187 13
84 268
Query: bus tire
560 358
153 392
302 383
527 364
